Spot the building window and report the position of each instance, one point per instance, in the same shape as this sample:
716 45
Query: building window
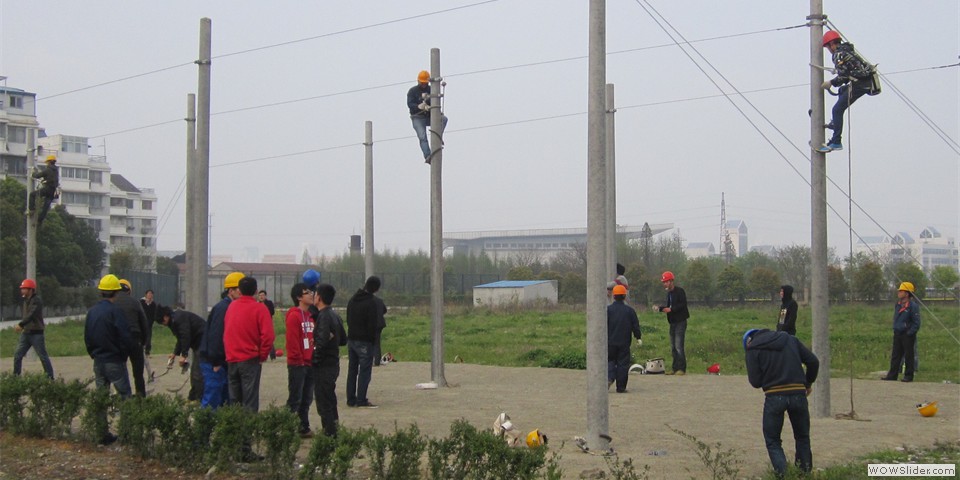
129 204
74 144
117 221
74 198
14 165
94 224
17 134
146 242
118 202
16 102
146 205
96 201
72 172
96 176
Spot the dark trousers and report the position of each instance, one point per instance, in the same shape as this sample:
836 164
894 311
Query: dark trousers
795 405
618 365
33 340
844 100
359 371
678 333
47 196
325 389
136 365
903 351
244 380
196 377
300 393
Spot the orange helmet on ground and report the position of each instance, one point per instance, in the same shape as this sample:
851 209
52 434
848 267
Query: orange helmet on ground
714 369
830 36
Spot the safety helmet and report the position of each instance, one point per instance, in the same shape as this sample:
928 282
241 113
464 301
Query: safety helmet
666 277
536 439
619 290
746 336
109 283
28 283
232 280
125 284
311 278
928 409
278 352
423 76
714 369
51 159
830 36
907 287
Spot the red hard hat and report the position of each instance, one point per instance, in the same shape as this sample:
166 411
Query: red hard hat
28 283
714 369
830 36
666 277
279 352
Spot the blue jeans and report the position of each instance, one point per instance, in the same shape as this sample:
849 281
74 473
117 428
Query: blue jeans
359 370
794 405
420 124
844 100
678 333
244 382
112 373
35 340
215 390
300 393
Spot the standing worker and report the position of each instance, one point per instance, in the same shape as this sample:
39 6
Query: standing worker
247 339
418 102
775 362
677 315
906 324
299 347
853 72
328 336
262 298
30 329
213 359
188 328
140 330
787 321
362 313
621 322
108 341
49 176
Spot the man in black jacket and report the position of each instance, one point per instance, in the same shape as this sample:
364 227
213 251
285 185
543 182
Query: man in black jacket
787 321
30 327
775 362
621 322
418 102
49 177
363 311
855 79
677 315
328 337
188 327
139 330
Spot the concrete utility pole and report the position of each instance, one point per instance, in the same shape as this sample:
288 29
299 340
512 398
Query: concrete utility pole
368 199
31 219
436 222
198 194
819 301
191 209
611 181
597 436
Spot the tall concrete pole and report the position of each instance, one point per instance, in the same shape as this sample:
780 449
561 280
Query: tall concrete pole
197 257
819 300
597 402
368 199
436 222
611 184
191 208
31 219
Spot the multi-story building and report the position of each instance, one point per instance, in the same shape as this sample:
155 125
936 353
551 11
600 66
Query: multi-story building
928 251
736 230
121 214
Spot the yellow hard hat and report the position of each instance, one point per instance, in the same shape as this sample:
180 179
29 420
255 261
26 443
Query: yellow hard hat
51 158
126 283
907 287
423 76
536 439
109 283
928 409
232 280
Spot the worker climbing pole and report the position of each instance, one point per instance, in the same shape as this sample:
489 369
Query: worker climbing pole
48 190
855 78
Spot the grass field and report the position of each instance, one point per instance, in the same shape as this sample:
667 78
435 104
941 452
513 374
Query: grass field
859 334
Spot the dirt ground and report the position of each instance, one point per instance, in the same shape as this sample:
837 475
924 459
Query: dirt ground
722 409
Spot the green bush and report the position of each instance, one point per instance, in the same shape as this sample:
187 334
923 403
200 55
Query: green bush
97 405
53 405
277 432
574 360
232 435
189 438
469 453
12 388
320 458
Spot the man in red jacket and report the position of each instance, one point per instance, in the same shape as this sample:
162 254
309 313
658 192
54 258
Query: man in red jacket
300 356
247 339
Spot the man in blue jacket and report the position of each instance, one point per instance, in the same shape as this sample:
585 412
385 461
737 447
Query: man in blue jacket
906 324
213 356
775 362
621 323
109 343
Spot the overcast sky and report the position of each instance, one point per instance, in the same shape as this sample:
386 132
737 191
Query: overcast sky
291 174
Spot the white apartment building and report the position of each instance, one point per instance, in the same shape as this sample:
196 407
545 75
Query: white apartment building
930 250
737 230
121 214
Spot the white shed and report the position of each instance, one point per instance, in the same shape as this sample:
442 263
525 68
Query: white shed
515 292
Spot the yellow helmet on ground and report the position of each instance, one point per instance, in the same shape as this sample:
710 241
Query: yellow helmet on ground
907 287
232 280
109 283
536 439
927 409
